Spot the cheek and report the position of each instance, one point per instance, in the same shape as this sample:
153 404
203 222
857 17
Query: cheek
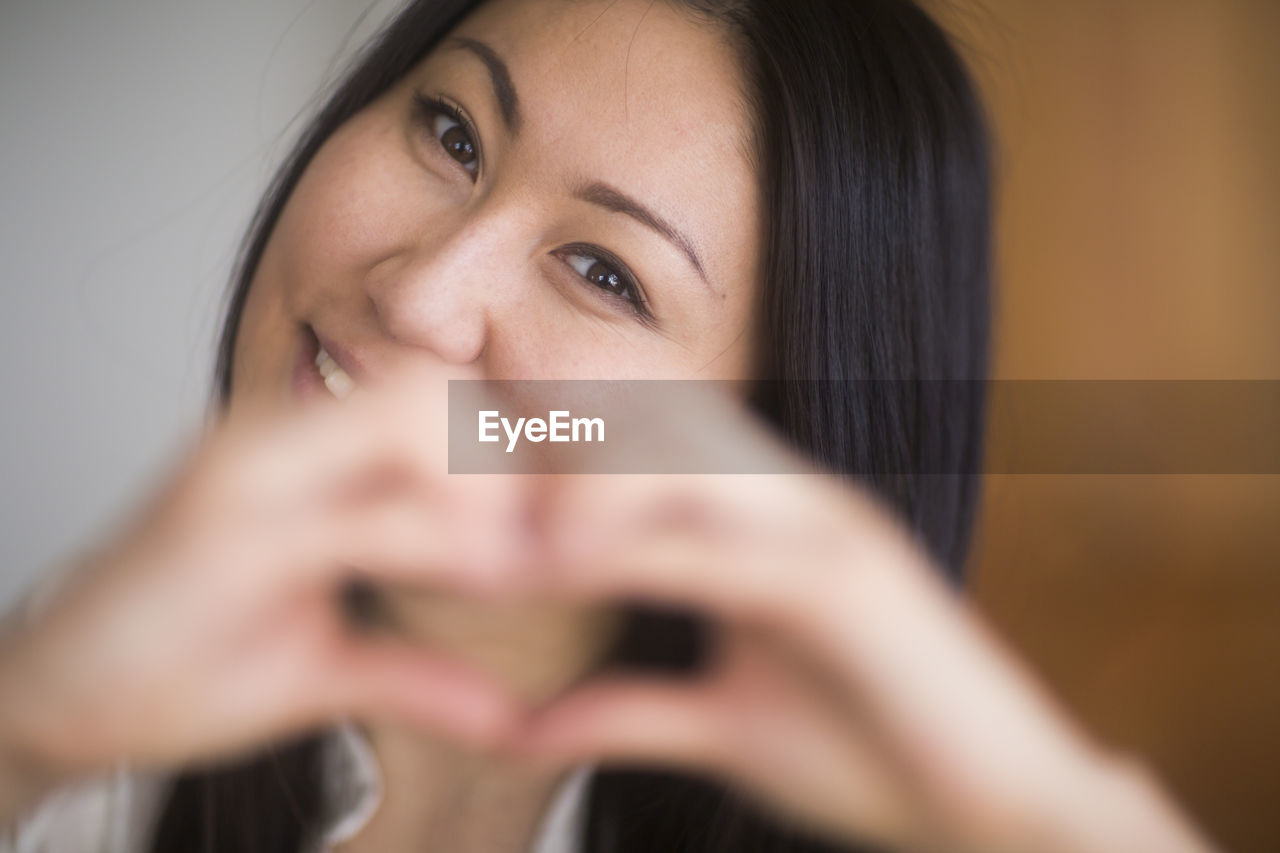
552 342
351 208
735 361
258 351
328 227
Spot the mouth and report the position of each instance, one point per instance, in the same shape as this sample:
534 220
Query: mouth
335 378
317 368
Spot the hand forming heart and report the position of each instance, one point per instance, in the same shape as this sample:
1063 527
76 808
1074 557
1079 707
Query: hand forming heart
848 689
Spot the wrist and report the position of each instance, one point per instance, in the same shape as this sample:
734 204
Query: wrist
1145 815
1114 805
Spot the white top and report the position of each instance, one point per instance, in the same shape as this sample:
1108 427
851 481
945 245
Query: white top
117 813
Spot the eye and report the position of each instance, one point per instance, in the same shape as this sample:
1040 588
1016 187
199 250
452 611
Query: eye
609 275
452 130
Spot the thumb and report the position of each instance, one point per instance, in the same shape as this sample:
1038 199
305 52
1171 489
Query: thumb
379 678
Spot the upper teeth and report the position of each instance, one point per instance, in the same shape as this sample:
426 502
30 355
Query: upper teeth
335 378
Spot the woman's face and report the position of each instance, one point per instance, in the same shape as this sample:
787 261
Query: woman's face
559 190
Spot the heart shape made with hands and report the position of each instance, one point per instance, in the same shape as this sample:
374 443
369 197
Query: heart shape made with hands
537 641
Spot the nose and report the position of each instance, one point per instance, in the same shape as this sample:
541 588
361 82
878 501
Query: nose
442 292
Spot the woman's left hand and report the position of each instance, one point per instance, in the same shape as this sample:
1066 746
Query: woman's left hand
851 691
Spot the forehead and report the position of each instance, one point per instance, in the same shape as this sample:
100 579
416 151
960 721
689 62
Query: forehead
632 61
635 93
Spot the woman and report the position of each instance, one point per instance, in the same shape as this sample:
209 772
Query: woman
533 189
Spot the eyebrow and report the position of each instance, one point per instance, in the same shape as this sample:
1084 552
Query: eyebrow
503 89
595 192
613 199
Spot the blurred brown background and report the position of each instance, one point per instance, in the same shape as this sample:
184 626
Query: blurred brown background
1138 237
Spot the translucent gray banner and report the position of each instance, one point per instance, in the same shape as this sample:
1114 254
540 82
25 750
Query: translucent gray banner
1032 426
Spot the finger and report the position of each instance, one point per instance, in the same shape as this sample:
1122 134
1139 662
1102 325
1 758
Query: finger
588 514
895 643
377 678
802 760
728 580
770 544
834 574
629 719
404 539
894 646
264 463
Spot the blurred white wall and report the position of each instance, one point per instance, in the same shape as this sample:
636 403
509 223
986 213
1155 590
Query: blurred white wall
135 139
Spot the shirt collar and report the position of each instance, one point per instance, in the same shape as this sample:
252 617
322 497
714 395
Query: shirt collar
353 789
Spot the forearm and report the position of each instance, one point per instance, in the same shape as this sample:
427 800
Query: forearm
1003 767
1115 807
1130 811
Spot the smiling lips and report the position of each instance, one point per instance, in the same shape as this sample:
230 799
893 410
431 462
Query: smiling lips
335 378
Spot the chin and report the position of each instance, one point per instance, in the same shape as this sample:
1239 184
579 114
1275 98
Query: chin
537 649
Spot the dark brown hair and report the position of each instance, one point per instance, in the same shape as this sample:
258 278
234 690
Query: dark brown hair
874 162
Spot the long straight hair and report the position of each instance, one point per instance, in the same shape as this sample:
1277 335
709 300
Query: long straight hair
873 154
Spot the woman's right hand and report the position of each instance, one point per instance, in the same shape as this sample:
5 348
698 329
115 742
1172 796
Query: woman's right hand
211 624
